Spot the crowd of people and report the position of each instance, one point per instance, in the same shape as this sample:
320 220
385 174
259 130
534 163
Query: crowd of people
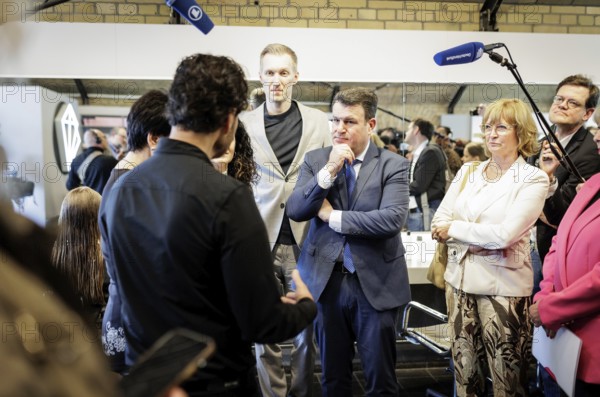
261 224
435 159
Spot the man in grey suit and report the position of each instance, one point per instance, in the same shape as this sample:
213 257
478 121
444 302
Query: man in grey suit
282 131
356 196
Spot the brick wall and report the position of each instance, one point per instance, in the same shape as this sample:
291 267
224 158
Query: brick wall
340 14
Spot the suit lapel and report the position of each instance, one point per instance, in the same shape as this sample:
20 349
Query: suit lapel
579 225
561 172
576 141
366 169
262 142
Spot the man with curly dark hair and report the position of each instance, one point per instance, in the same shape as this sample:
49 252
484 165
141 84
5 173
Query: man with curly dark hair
188 245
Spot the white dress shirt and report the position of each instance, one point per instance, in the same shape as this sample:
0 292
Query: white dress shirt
412 201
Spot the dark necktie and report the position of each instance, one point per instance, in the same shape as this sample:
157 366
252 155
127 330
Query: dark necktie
350 185
350 178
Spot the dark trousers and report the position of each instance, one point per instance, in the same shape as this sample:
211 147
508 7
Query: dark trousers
544 238
245 386
345 316
582 389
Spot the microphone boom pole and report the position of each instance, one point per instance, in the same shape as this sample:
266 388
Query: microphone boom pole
562 157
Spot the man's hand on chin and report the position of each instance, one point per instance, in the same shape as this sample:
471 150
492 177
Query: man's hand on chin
339 155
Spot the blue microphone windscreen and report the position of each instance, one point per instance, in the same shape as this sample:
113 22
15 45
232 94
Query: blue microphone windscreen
195 15
464 53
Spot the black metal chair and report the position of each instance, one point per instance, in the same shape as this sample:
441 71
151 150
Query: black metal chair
435 337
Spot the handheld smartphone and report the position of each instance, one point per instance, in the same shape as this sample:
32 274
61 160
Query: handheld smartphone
172 359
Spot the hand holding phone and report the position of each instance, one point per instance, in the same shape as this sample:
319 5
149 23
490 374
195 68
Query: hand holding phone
300 290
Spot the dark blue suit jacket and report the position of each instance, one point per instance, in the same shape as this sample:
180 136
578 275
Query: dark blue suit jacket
371 224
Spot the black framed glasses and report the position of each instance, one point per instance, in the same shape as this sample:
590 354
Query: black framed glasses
571 103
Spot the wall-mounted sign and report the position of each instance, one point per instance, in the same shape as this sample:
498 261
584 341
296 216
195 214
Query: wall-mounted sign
67 137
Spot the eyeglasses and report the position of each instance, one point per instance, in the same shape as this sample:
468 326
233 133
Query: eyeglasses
501 129
571 103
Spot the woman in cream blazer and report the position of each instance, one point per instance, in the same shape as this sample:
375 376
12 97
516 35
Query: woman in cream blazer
489 277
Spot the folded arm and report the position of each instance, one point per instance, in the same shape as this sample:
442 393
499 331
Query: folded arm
388 215
307 198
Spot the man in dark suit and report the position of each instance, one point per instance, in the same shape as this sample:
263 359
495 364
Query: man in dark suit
92 167
353 258
427 175
574 103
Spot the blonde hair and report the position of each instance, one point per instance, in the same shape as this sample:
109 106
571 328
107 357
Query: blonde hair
516 113
76 252
279 49
377 141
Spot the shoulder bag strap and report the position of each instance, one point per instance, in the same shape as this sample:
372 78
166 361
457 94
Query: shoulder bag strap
81 171
471 170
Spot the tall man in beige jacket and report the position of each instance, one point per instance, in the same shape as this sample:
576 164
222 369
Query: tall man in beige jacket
282 131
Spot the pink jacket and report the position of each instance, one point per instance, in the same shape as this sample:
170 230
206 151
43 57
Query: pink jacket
570 291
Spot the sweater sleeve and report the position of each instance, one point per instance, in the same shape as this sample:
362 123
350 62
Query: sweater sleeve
247 268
